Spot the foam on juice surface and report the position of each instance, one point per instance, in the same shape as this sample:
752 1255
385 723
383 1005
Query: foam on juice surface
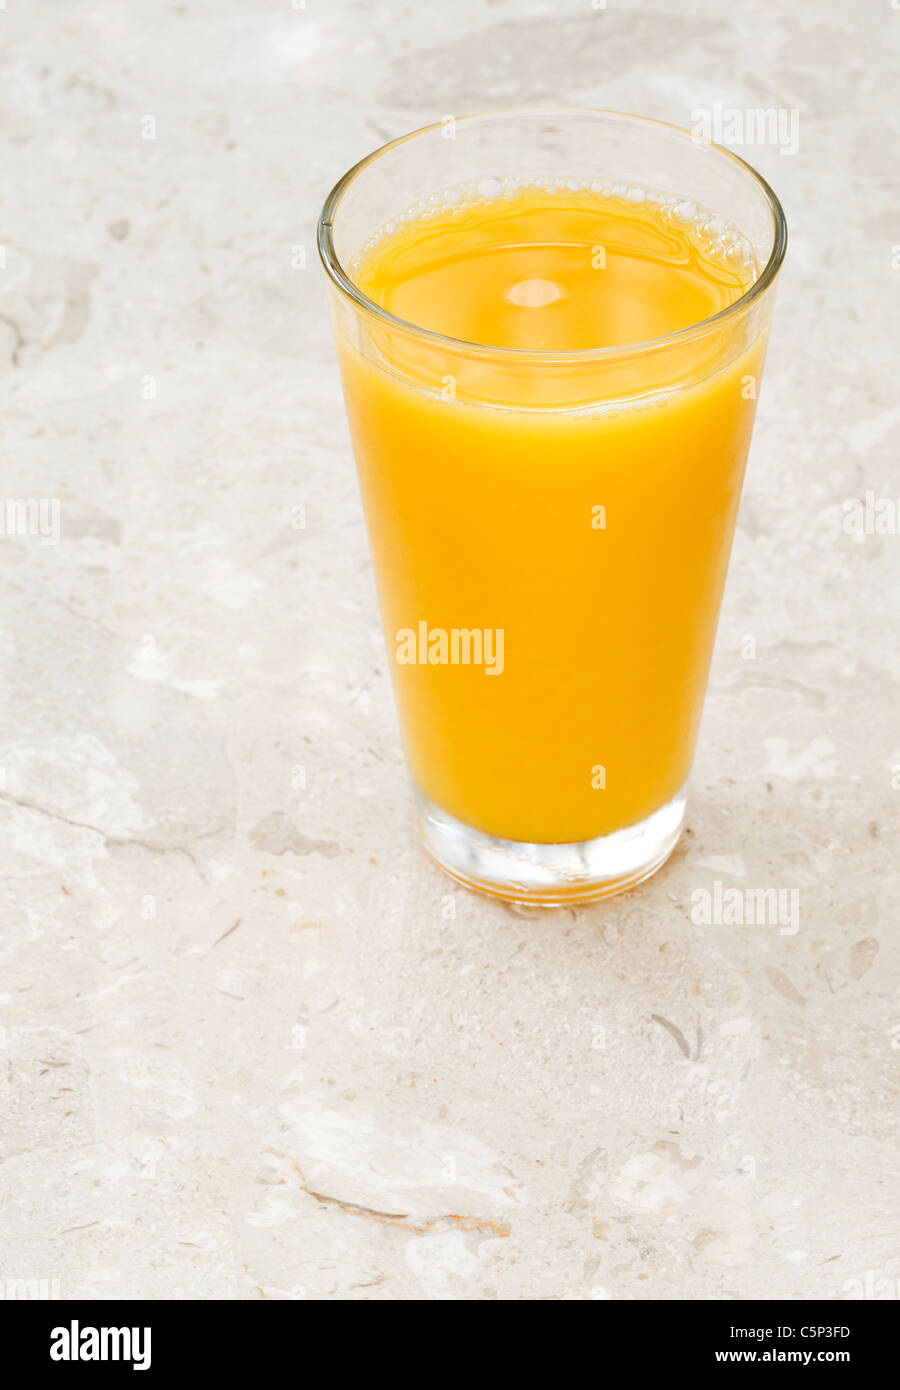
554 265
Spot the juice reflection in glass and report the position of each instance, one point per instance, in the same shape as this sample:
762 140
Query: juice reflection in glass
550 382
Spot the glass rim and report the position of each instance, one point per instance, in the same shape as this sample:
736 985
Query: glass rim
339 277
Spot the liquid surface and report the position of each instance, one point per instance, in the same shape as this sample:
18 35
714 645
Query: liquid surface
566 269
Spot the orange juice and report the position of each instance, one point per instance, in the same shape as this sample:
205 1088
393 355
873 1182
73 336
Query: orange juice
551 533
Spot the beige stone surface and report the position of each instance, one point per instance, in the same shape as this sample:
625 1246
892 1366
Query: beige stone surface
253 1043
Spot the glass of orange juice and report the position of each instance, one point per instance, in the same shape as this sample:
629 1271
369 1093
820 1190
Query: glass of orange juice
551 328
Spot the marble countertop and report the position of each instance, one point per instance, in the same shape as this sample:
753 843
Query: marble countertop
253 1043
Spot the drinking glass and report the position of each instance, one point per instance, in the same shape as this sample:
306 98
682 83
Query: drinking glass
550 530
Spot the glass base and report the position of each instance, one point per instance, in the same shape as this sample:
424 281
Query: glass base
552 875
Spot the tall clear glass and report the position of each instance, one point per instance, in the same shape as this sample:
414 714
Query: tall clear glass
551 529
